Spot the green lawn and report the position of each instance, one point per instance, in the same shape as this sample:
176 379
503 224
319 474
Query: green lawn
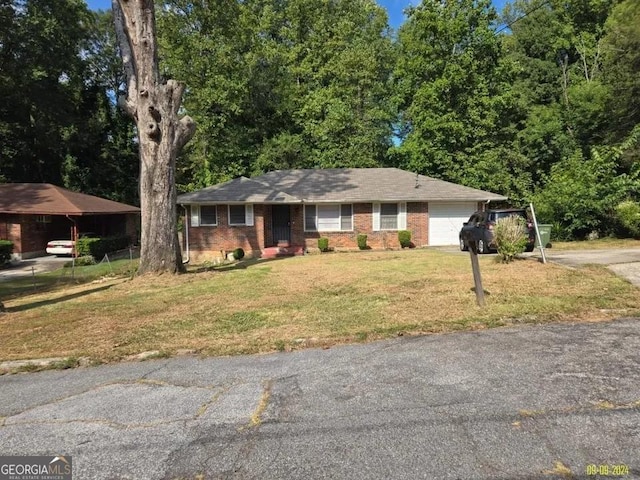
599 244
316 300
65 277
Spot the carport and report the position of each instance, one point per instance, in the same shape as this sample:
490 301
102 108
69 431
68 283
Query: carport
31 214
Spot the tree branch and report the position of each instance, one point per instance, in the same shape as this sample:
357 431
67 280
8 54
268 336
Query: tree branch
129 103
184 132
176 90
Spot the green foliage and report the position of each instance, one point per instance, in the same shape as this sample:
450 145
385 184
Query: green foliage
81 262
99 247
450 87
58 118
6 249
323 244
628 214
510 236
621 57
404 237
276 85
580 195
362 241
238 253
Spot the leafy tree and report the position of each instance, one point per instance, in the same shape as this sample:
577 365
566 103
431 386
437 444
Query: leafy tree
621 59
102 156
452 89
280 84
40 82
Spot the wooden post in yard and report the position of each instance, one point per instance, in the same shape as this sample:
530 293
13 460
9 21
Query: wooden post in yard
475 266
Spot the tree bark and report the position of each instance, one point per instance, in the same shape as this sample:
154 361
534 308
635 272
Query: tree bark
154 105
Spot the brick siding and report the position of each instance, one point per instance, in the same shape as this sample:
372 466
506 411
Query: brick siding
417 224
210 242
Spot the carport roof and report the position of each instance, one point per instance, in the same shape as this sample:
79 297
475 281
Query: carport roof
47 199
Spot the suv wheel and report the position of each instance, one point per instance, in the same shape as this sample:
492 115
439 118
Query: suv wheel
463 246
482 248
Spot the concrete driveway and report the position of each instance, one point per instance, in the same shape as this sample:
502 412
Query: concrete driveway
623 261
26 268
534 402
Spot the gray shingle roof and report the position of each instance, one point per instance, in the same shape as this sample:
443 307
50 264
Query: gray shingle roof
345 185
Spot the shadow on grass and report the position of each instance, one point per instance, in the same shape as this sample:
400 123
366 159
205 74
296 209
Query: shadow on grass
53 301
240 265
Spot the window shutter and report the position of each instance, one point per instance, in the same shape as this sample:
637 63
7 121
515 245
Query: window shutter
248 214
376 217
195 215
402 216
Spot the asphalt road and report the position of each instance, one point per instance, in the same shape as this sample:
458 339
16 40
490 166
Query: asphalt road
515 403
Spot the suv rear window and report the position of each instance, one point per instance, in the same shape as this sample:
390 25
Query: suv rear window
495 216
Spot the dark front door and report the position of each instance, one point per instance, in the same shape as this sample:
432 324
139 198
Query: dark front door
281 223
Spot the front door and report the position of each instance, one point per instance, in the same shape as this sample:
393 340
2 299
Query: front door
281 223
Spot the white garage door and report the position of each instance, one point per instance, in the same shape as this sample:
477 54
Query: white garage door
446 219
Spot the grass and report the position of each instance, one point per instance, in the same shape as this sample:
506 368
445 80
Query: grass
65 277
601 243
317 300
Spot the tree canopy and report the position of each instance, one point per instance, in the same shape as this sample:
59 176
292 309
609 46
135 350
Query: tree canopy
536 102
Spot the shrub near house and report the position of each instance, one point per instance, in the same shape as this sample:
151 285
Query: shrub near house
6 249
99 247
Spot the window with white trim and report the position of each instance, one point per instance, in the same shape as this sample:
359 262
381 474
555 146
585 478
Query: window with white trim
208 215
389 216
328 218
240 215
204 215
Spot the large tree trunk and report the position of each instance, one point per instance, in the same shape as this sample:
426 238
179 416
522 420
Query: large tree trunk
154 105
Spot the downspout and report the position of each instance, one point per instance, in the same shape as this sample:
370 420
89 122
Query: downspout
186 235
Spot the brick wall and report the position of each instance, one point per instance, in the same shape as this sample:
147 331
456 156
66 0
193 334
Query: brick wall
11 230
211 242
34 236
417 224
207 243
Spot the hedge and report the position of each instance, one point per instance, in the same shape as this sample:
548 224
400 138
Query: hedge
99 247
6 249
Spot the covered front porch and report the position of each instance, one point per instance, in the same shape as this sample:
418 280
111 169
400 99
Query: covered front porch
283 230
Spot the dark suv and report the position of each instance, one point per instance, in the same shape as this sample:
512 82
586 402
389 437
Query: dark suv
480 227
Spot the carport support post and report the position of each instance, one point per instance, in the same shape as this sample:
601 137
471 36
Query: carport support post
477 278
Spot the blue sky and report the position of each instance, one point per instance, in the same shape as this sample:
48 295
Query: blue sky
394 7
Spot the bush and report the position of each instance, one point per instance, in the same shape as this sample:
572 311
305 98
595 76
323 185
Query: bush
362 241
404 237
510 236
628 214
579 193
81 262
323 244
238 254
6 249
99 247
